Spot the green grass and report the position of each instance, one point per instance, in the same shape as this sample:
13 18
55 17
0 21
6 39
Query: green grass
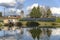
58 20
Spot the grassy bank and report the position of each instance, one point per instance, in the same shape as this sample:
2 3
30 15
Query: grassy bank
58 19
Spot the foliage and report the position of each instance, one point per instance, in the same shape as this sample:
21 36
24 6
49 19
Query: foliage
53 23
49 32
6 24
21 20
10 24
32 24
58 19
0 14
1 20
35 13
19 24
35 32
1 26
49 13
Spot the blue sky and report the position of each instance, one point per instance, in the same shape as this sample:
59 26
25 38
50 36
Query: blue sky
51 3
26 3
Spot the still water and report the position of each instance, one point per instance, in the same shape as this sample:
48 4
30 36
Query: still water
32 34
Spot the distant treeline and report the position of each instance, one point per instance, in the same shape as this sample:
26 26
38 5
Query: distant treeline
39 19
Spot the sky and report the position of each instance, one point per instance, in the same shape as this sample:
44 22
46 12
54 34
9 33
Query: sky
28 4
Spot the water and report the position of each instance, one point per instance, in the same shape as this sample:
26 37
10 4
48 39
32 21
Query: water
32 34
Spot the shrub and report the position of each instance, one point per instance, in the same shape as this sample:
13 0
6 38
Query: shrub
57 19
6 24
10 24
53 23
19 24
32 24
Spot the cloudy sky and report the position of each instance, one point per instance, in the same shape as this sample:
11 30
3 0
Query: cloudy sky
28 4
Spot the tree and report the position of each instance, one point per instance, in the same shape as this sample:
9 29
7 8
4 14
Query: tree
32 24
49 14
18 24
1 26
35 33
49 32
0 14
38 12
10 24
35 13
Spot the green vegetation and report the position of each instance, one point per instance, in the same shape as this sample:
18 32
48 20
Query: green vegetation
32 24
0 14
1 26
58 19
18 24
35 32
1 20
9 24
35 13
49 14
49 32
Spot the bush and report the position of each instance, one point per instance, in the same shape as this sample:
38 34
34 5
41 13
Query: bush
19 24
6 24
53 23
1 20
32 24
57 19
10 24
1 26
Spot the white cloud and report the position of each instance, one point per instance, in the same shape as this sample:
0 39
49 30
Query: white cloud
34 5
10 2
13 9
55 10
7 1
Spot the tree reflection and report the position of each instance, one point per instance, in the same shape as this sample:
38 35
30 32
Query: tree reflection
48 33
35 32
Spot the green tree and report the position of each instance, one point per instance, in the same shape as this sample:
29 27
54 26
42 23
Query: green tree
18 24
38 12
35 13
0 14
10 25
1 26
49 14
49 32
35 33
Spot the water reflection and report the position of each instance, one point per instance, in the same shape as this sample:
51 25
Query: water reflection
40 33
35 32
32 34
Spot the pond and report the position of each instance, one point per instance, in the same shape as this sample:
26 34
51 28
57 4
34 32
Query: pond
31 34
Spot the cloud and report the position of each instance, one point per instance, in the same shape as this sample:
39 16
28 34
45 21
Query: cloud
7 5
12 10
55 10
7 1
34 5
10 3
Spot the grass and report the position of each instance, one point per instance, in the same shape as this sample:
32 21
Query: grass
58 20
